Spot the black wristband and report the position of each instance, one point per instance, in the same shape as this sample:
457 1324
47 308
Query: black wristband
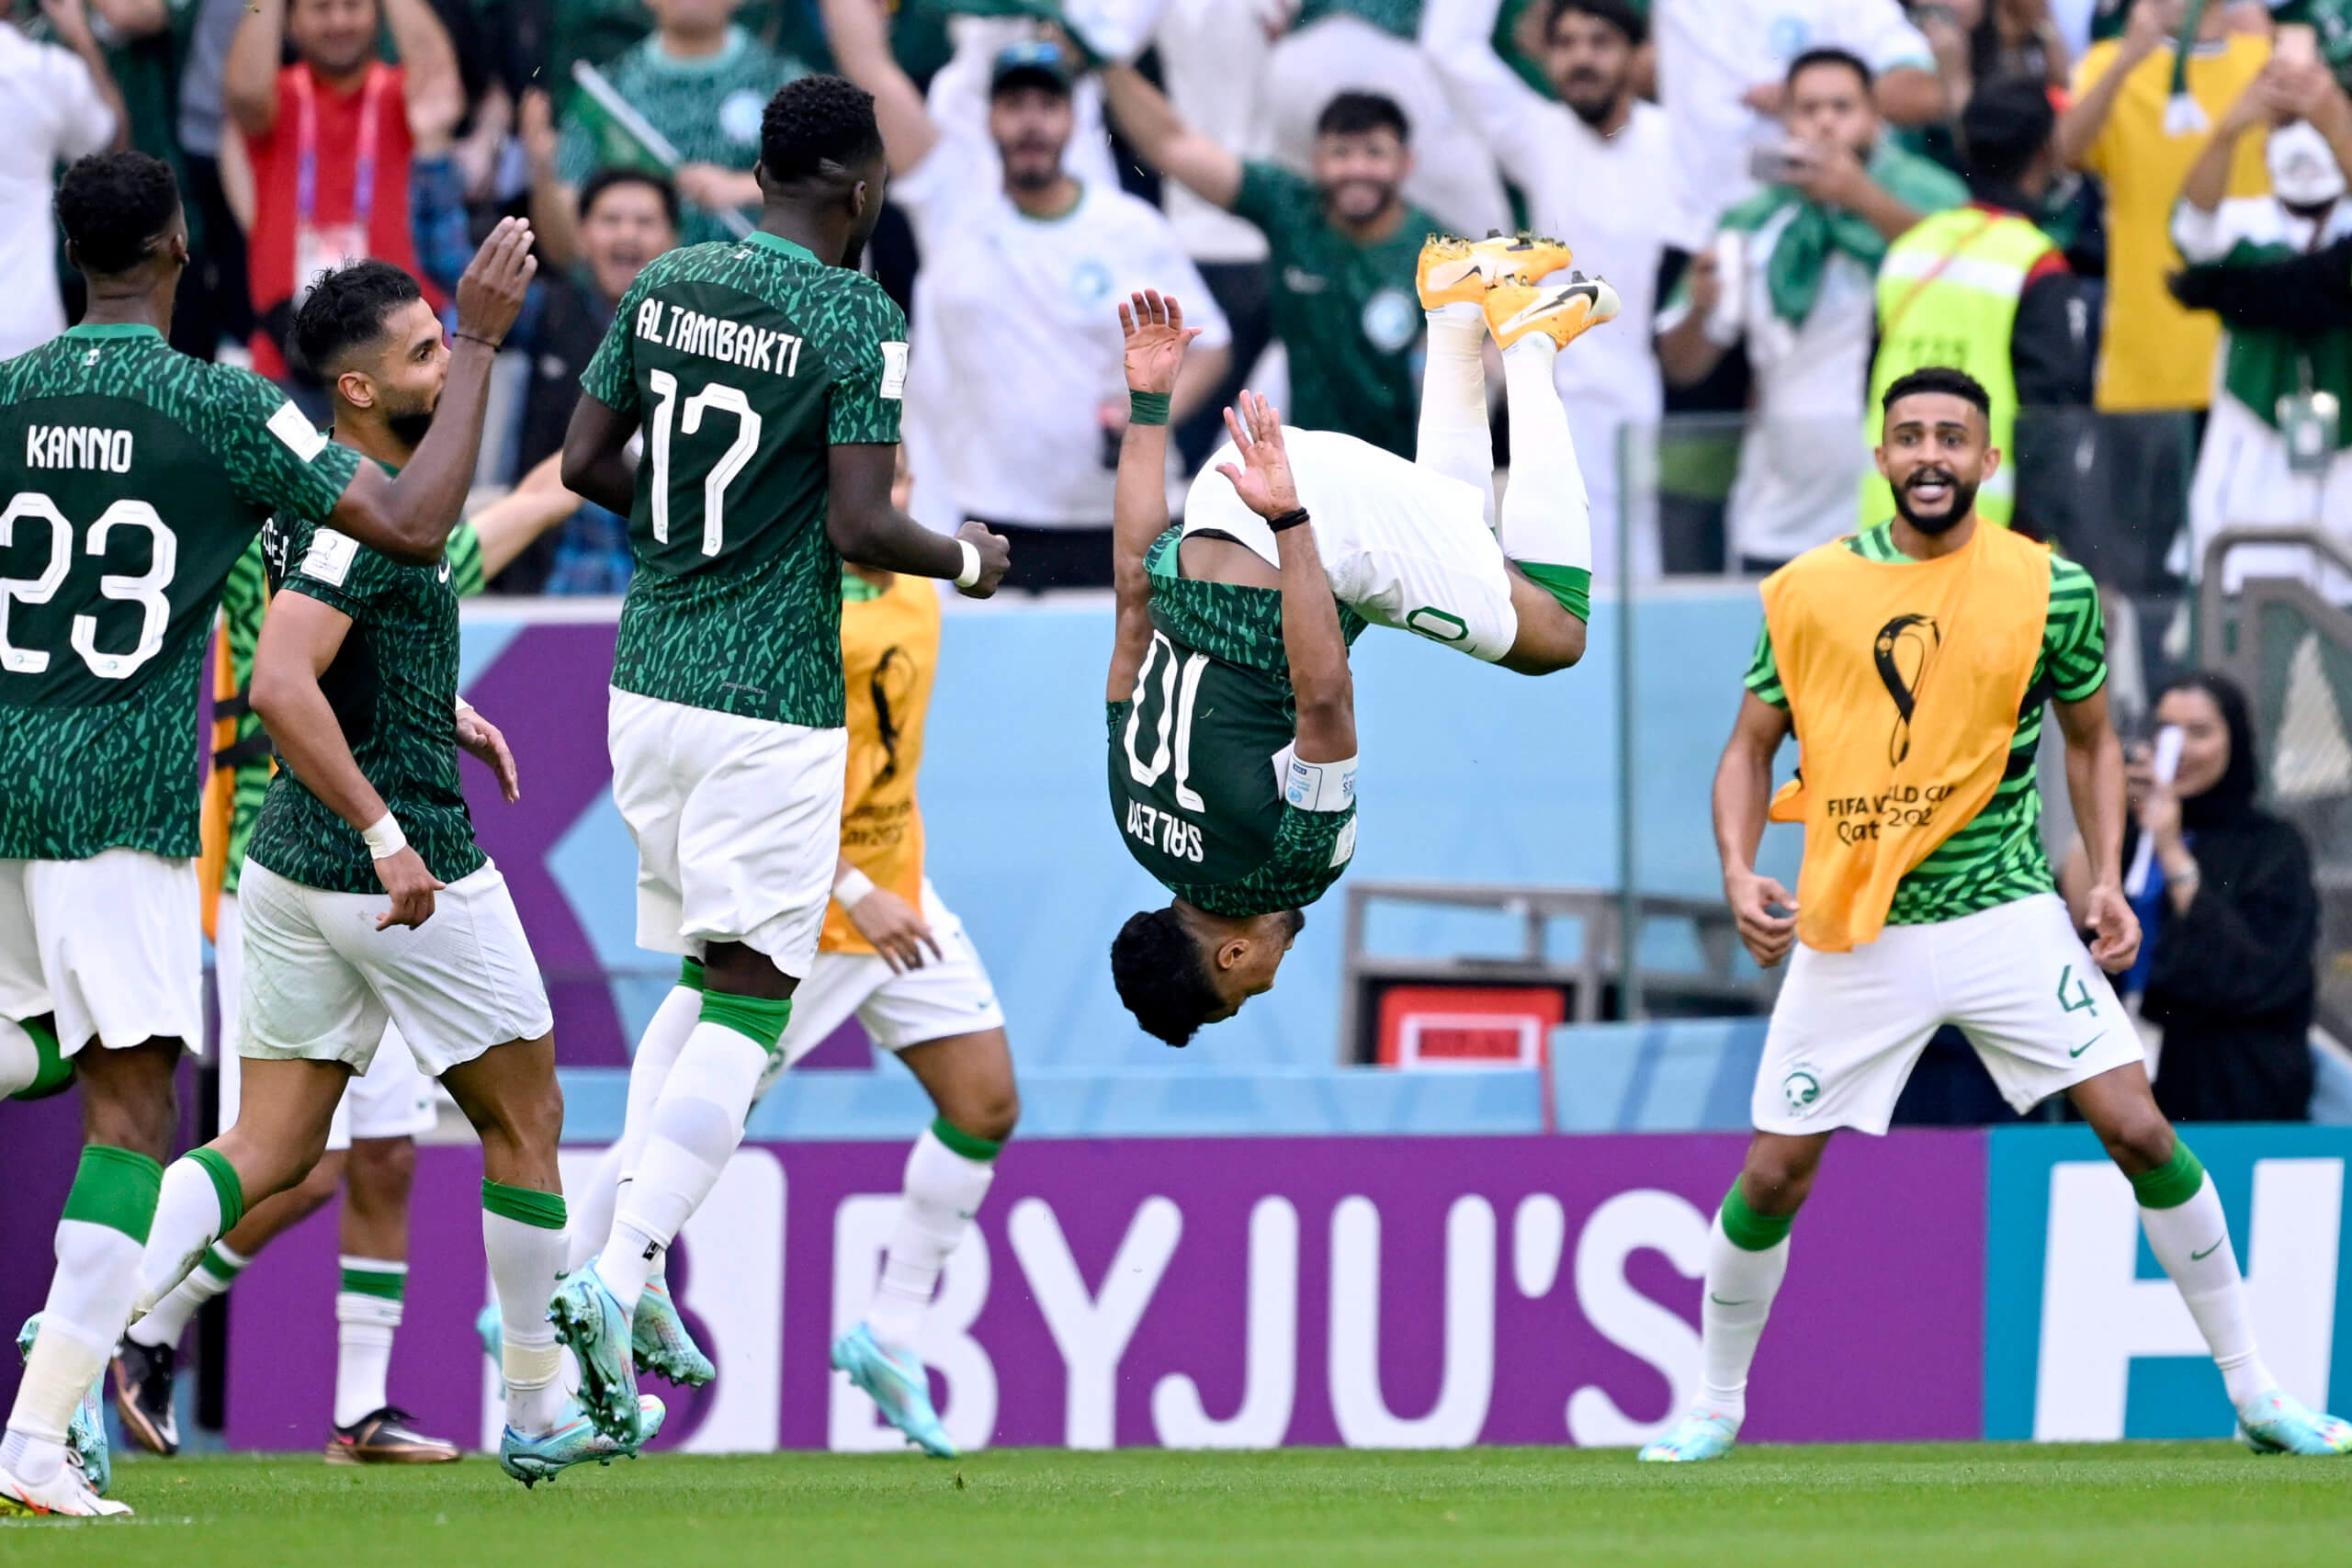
1291 519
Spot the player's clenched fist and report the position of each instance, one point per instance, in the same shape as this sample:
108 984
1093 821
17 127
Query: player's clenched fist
1767 934
996 555
490 295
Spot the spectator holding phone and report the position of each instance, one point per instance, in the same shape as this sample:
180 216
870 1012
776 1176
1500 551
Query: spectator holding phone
1791 273
2229 917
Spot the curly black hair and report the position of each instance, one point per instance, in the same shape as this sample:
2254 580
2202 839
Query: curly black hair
113 207
814 121
346 309
1162 976
1938 379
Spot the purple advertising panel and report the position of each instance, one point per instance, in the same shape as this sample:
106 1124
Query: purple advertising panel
1421 1293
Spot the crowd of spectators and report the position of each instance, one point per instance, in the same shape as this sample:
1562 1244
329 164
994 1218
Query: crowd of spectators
1796 199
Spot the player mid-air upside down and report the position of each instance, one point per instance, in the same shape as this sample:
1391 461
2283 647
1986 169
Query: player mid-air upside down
1911 660
1232 722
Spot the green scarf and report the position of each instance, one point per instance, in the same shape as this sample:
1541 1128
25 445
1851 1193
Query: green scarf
1816 232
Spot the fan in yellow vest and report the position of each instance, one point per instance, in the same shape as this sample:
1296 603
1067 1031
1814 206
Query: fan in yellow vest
1954 291
1912 662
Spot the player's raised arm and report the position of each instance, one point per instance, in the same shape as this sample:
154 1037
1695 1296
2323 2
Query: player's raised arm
408 517
1742 795
299 639
1156 336
1312 642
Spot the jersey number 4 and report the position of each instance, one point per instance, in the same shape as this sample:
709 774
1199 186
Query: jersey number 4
145 590
1179 688
715 395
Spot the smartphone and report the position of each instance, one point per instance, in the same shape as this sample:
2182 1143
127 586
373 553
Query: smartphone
1776 165
2297 45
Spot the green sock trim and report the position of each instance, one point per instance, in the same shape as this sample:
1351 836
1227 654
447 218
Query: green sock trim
1749 1231
225 1185
2171 1184
52 1072
524 1205
218 1266
1571 585
963 1142
116 1189
758 1018
690 973
384 1284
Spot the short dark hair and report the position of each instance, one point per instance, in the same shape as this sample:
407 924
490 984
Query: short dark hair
1352 113
1162 976
2007 122
1618 14
604 180
113 206
1830 54
346 311
816 121
1940 379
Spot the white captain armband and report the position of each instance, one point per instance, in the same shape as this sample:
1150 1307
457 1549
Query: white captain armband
1321 786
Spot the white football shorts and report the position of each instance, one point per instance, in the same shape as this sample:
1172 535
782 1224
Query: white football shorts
1402 545
738 826
391 1099
1848 1027
113 945
322 982
950 995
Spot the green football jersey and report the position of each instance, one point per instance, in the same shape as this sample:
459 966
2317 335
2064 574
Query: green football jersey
247 755
394 687
1197 753
746 363
1997 856
135 477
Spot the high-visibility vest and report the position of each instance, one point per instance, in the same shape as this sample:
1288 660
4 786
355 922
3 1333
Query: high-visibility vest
1948 295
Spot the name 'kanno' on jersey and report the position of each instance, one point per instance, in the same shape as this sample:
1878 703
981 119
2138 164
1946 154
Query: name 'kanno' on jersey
1198 754
745 362
133 477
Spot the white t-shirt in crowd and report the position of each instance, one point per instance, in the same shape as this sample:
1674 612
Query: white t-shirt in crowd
1800 460
1017 341
1710 52
54 115
1612 199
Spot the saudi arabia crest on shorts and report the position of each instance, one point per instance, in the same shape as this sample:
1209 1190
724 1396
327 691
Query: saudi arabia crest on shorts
1801 1088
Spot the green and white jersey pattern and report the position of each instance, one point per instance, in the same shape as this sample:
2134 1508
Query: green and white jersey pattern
134 479
1196 791
394 687
247 755
746 363
1996 857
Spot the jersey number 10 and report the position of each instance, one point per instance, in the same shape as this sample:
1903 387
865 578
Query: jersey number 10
715 395
146 590
1179 688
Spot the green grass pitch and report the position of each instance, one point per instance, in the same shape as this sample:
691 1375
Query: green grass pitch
2011 1505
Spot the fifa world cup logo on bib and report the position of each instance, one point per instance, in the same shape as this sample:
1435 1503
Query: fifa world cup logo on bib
1904 649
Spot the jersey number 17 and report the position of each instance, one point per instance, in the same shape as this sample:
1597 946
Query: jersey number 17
731 462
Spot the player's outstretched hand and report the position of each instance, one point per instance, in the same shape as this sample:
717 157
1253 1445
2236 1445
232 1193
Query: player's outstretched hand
996 555
1263 479
895 928
479 738
1767 936
490 295
1157 337
2115 929
412 887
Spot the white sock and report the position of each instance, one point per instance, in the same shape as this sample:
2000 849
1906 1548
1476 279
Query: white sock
944 1191
190 1215
591 1208
657 1051
1729 1333
213 1273
2211 1286
89 1300
367 1314
1455 438
690 1135
526 1253
1546 516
